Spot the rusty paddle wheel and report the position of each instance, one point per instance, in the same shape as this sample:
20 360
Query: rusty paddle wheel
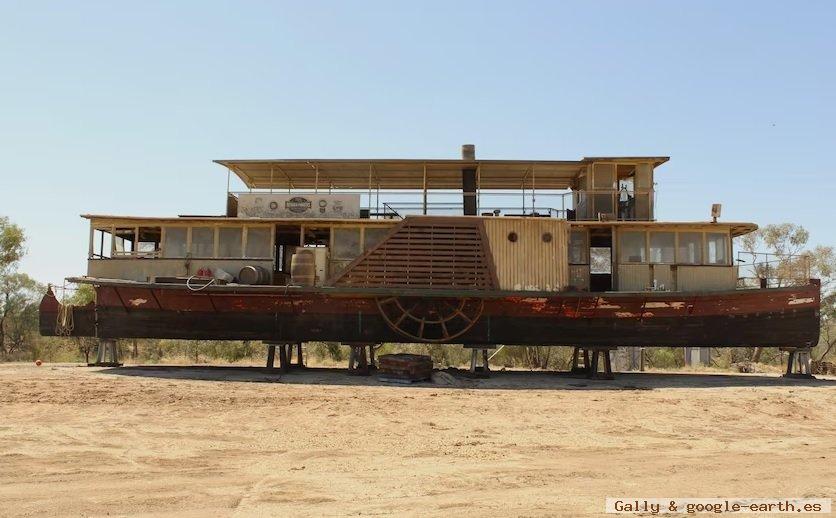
424 319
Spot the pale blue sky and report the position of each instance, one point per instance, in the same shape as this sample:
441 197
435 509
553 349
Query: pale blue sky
110 107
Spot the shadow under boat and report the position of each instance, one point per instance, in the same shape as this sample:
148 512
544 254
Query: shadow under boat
499 379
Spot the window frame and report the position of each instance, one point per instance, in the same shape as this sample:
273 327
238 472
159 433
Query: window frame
726 252
621 248
650 246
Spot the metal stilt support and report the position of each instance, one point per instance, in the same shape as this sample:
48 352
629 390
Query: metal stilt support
475 352
107 354
798 363
360 362
600 357
285 355
576 357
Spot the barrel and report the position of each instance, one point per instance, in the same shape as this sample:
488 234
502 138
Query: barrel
303 268
252 274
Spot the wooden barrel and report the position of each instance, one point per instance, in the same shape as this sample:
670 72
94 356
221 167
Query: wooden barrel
253 274
303 268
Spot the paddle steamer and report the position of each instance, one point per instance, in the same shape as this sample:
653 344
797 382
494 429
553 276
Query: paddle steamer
474 252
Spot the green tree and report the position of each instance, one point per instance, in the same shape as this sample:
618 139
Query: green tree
18 311
12 240
83 295
777 253
790 262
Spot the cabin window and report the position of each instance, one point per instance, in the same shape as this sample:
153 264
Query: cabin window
689 250
258 242
632 245
346 243
662 247
148 241
203 242
578 247
174 244
230 241
101 244
716 248
346 248
123 241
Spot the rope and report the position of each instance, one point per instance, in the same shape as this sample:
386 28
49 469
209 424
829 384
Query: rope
189 280
64 323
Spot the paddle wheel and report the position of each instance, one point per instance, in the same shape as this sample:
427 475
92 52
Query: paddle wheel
424 319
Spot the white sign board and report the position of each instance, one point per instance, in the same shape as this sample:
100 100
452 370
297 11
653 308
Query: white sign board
331 206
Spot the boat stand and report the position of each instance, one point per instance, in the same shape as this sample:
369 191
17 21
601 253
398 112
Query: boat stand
359 363
578 369
476 351
285 355
107 354
591 364
798 363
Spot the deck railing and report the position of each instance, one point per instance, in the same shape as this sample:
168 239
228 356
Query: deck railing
590 205
771 270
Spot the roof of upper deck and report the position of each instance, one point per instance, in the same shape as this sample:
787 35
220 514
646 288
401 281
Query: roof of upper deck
404 174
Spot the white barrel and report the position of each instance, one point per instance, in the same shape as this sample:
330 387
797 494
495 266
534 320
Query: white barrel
303 268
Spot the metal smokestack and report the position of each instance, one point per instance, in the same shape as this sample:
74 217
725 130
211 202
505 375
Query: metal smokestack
468 152
469 181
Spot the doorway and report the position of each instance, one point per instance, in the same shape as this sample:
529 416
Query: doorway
600 260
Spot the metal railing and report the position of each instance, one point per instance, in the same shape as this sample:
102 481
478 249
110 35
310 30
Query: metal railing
771 270
588 205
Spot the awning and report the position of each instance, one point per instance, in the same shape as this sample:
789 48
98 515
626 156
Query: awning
398 174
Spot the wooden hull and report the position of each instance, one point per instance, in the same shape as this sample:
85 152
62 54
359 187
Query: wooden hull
766 317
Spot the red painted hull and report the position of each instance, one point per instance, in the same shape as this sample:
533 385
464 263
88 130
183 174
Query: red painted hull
765 317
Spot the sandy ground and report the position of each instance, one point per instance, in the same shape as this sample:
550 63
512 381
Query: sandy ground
164 441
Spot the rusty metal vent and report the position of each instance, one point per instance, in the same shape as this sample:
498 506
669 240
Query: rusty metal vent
428 253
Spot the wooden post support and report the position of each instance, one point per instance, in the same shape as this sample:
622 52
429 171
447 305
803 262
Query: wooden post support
798 363
284 364
300 359
271 355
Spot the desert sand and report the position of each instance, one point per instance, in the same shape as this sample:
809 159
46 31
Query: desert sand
168 441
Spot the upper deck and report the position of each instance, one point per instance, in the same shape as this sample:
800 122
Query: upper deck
593 188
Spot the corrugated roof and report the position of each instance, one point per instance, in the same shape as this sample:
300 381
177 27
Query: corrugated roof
403 174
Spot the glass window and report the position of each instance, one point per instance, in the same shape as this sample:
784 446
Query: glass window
689 250
229 241
258 242
346 243
578 248
102 242
123 241
174 244
716 248
662 247
632 246
148 241
203 242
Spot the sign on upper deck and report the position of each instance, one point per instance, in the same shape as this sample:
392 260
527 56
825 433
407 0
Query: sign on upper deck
270 205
